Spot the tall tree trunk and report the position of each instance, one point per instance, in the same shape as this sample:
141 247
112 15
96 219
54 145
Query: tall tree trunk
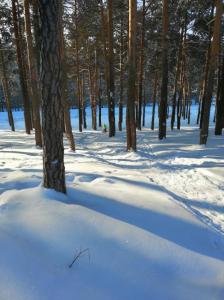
220 103
5 86
164 85
111 96
83 101
33 76
64 92
154 100
51 86
22 67
141 71
130 113
215 49
121 100
177 75
77 67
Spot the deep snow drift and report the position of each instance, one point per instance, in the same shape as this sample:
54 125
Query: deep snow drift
150 224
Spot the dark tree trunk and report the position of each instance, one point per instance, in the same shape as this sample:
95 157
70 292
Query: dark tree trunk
120 118
51 87
141 71
33 76
164 85
22 68
154 100
5 86
215 49
220 104
111 96
130 114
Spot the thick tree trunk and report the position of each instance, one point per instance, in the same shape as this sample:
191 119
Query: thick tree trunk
22 68
164 85
215 49
130 113
51 87
33 76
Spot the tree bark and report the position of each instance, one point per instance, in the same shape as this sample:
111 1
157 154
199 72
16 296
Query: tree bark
51 88
130 113
164 85
141 71
22 68
111 96
33 76
215 49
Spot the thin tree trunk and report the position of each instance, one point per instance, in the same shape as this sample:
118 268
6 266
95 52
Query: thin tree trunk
121 100
154 100
141 71
111 96
21 65
33 76
5 86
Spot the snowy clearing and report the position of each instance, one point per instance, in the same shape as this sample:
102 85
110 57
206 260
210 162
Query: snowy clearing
151 223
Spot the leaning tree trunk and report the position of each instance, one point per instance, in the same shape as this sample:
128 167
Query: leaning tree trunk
5 86
215 49
51 87
130 113
33 76
21 66
164 85
111 88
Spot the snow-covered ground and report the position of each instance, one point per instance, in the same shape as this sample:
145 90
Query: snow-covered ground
149 225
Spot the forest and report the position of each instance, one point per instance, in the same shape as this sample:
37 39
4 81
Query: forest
111 149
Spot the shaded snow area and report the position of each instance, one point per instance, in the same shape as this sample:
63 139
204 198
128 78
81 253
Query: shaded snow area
136 226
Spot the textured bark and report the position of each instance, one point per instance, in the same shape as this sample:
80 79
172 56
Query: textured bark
22 67
100 102
51 87
215 49
111 95
164 85
141 71
220 103
5 86
144 104
65 95
33 76
130 114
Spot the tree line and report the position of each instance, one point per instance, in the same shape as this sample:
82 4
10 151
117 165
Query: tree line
110 53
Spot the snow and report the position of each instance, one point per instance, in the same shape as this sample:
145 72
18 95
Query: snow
150 224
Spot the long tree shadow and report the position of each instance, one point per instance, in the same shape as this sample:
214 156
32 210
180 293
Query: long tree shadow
192 236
